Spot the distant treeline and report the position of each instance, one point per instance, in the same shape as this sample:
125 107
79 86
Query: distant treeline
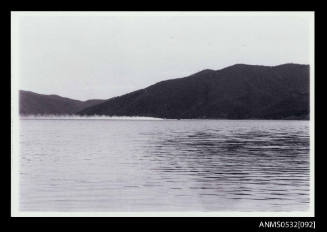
236 92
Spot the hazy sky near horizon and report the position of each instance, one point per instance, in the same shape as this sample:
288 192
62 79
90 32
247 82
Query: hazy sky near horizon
104 54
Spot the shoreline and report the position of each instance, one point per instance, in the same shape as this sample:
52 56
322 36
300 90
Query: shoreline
140 118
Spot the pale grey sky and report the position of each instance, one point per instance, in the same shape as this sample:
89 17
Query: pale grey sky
100 55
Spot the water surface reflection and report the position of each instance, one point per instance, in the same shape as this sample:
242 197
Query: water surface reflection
182 165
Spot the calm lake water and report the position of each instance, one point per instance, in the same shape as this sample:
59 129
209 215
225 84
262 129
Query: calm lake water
166 165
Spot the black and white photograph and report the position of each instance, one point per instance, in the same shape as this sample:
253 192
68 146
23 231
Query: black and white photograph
162 113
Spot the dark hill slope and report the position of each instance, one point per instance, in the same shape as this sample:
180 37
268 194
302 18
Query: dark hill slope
32 103
236 92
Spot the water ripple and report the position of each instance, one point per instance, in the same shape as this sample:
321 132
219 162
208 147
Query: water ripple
206 165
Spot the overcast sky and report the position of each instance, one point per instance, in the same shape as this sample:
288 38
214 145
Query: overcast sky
105 54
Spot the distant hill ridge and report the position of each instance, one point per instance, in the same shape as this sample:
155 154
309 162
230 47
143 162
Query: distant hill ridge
31 103
239 91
